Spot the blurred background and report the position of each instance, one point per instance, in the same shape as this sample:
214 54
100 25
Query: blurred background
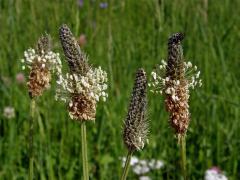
122 36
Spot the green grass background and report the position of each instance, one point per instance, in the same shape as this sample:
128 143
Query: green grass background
121 38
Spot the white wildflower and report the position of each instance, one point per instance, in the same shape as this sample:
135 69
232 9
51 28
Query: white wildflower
156 164
144 178
214 174
9 112
134 160
141 168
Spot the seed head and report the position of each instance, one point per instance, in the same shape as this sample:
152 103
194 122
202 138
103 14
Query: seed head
136 126
81 93
81 107
174 78
43 45
175 57
76 59
38 80
84 85
40 62
177 94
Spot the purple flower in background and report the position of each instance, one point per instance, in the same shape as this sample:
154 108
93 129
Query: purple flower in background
103 5
82 40
20 78
216 169
80 3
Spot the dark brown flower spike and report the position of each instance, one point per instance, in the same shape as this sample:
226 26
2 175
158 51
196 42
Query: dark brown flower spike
136 126
76 59
43 45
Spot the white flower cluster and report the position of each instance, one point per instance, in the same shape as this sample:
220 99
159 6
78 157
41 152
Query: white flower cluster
9 112
48 60
192 75
214 174
93 84
159 80
141 167
144 178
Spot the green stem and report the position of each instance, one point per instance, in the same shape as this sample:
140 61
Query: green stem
183 156
84 151
31 131
127 165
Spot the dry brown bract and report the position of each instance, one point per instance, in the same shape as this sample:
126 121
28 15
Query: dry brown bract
38 81
179 114
82 108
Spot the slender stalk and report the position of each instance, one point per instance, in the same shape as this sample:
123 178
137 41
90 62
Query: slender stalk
84 151
183 156
127 165
31 131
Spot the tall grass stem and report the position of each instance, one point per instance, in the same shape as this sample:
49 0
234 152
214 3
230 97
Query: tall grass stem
31 131
183 156
84 151
127 165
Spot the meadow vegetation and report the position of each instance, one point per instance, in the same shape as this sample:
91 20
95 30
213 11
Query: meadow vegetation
123 36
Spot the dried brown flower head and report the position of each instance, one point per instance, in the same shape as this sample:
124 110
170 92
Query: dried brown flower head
40 62
136 126
82 108
38 80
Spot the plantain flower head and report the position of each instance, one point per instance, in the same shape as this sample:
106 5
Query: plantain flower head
174 79
83 86
40 62
135 128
